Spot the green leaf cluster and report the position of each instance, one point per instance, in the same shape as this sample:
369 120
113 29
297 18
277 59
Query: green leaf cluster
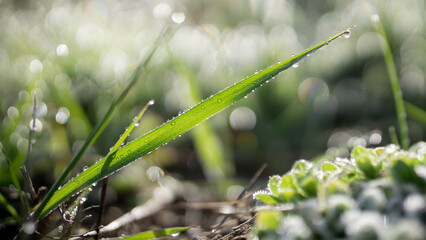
375 194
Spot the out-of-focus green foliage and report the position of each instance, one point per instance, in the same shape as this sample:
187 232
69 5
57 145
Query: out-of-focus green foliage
378 193
76 55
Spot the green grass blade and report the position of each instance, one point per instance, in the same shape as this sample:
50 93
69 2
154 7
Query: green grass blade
416 113
392 136
173 128
14 178
155 234
130 128
396 89
9 208
117 145
99 128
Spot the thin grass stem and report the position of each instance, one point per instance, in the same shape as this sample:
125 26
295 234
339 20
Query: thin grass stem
28 184
396 89
393 136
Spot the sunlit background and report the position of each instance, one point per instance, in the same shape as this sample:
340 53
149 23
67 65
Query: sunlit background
74 58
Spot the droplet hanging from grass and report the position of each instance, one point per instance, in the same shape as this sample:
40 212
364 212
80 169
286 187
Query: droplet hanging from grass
347 34
154 173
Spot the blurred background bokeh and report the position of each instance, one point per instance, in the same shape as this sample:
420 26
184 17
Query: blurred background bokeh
75 57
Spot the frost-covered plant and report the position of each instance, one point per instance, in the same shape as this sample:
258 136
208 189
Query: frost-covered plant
375 194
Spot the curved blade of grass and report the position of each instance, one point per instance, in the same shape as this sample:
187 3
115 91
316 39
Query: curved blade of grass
99 128
154 234
416 113
173 128
396 89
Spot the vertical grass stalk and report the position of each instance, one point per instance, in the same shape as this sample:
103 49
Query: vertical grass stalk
394 81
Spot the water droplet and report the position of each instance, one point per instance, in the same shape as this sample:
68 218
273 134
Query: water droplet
219 100
36 66
242 118
85 168
28 227
375 138
38 126
375 18
12 112
162 10
154 173
62 50
347 34
151 102
129 151
66 215
178 17
136 124
295 65
173 123
63 115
